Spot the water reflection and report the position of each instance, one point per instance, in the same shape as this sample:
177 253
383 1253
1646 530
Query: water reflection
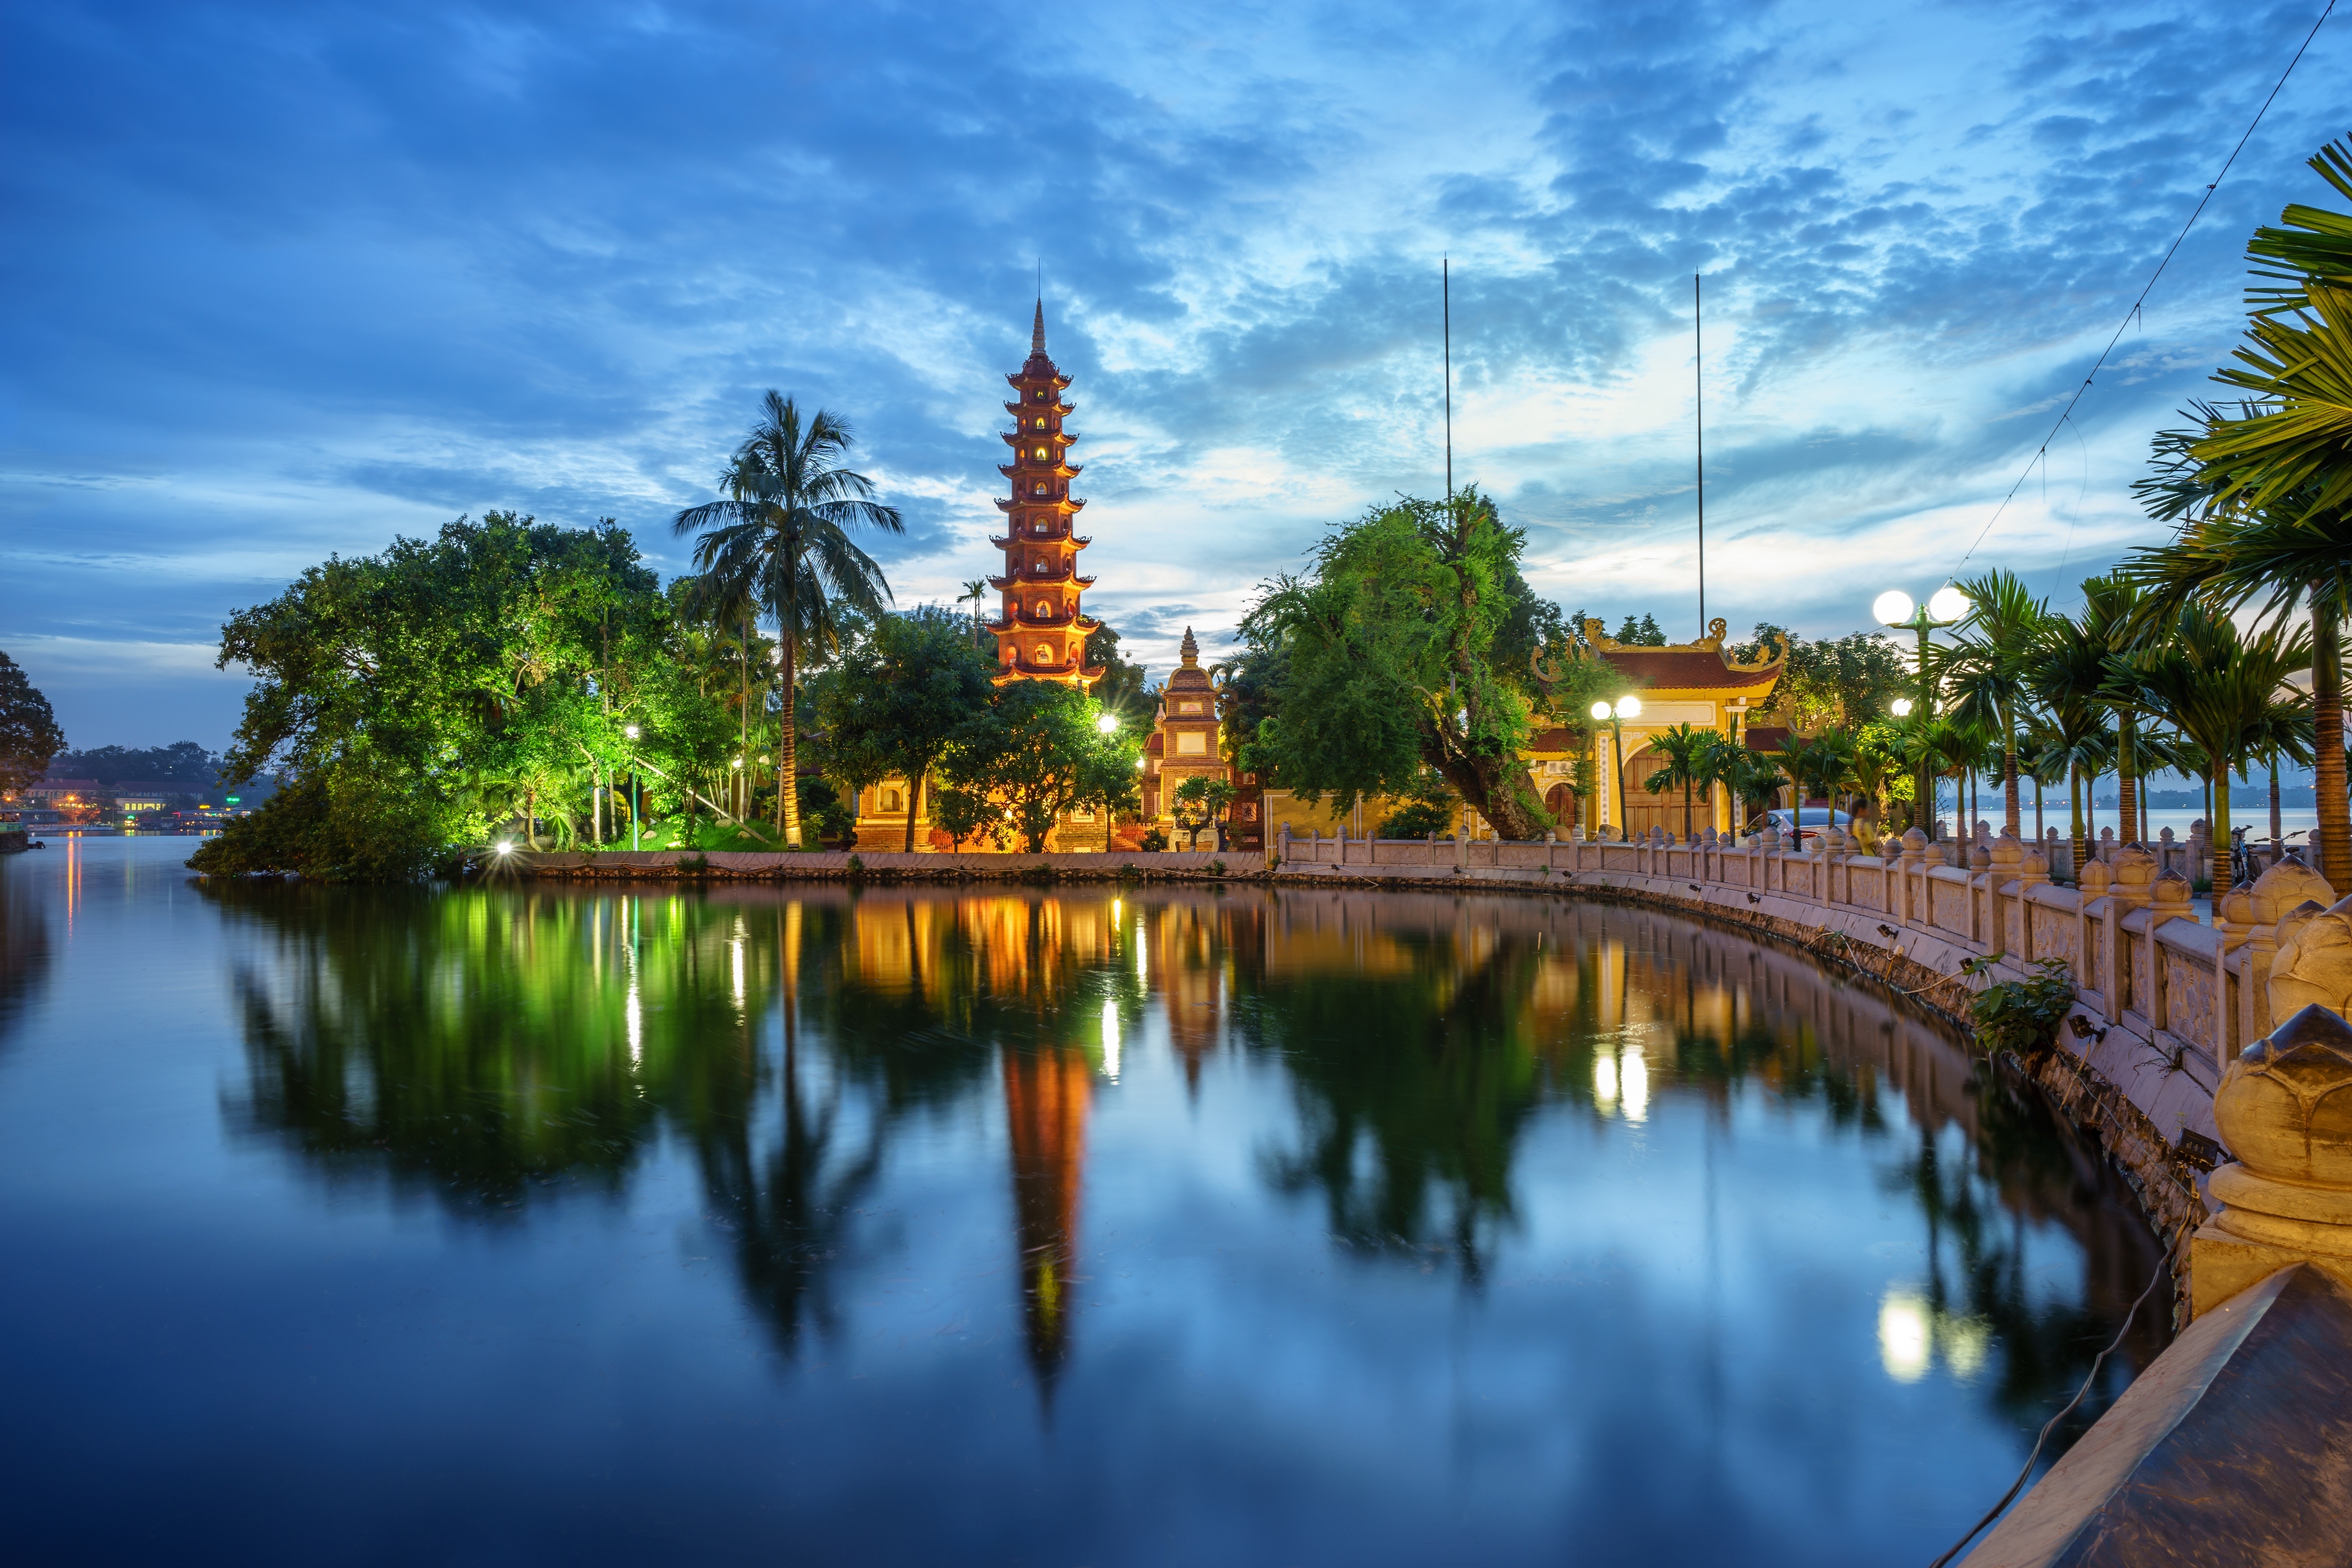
495 1049
24 944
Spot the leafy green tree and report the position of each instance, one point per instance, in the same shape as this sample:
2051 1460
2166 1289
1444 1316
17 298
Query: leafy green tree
1846 682
780 538
1388 656
902 698
1124 688
398 688
1646 633
1038 752
964 815
29 735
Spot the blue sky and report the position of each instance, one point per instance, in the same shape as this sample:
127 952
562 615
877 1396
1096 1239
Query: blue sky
282 281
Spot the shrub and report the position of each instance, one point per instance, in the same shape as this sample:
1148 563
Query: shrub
347 829
1153 842
2021 1015
1418 820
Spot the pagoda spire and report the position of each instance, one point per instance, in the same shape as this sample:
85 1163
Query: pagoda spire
1041 631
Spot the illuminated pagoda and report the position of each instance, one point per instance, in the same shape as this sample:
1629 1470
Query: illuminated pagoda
1042 632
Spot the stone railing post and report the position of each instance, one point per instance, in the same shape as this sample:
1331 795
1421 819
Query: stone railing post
2090 887
2168 901
1833 853
2131 881
2106 850
1913 872
2286 1195
2003 858
2032 871
1282 844
1462 848
1979 864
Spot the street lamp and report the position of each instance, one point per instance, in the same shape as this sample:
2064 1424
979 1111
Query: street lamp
1615 714
1106 723
636 810
1894 608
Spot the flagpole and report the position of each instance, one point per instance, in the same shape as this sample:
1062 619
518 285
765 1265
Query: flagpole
1698 415
1445 282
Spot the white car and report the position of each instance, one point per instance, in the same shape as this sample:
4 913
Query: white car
1809 823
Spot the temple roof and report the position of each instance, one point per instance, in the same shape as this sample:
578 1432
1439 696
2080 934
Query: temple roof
1701 666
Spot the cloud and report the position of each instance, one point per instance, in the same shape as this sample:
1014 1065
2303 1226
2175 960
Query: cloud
328 273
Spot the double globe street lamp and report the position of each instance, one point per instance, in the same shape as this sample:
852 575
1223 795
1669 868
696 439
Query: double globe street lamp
1615 715
1894 608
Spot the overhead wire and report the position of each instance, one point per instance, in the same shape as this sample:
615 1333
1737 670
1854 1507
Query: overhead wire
2202 202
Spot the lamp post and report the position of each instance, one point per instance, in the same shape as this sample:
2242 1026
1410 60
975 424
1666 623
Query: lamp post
631 731
1616 713
1894 608
1106 725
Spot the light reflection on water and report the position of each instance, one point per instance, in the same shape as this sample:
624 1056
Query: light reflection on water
1048 1226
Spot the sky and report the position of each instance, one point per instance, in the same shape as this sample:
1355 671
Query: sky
287 281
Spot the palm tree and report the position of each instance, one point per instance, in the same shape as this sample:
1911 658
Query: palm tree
781 537
1991 662
1686 749
2266 495
975 591
2219 689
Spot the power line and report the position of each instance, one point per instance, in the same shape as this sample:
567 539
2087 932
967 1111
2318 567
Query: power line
2042 451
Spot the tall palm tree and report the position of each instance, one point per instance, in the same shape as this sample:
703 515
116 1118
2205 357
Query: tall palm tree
2069 679
1991 662
2266 494
975 591
2219 689
781 536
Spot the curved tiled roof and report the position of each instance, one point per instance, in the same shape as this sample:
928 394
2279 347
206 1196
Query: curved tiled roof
1688 669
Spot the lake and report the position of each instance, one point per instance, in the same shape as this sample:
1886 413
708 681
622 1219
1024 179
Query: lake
1081 1226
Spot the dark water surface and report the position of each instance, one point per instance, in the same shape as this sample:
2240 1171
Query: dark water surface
528 1226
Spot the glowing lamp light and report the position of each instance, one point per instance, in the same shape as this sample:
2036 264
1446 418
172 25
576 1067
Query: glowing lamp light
1139 765
1949 604
504 847
1904 1336
1901 707
1629 707
739 762
1601 711
630 731
1106 723
1892 608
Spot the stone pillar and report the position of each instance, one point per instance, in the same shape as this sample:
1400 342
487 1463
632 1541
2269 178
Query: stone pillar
2089 889
1280 844
2233 925
2002 861
1914 875
2106 850
2131 886
2286 1195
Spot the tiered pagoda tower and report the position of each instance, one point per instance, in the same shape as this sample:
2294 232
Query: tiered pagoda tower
1042 633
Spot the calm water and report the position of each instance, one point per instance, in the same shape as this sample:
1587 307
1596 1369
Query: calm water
518 1226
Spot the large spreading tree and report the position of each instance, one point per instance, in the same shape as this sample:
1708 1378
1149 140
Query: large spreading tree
1405 646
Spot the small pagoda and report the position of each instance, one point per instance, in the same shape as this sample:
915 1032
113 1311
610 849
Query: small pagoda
1041 634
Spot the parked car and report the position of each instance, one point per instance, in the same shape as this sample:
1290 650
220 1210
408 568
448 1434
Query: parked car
1809 823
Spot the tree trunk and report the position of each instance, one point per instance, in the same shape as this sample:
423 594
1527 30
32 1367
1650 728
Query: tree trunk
914 803
530 817
2009 767
2080 830
2274 798
2127 779
2327 733
2217 836
743 797
1491 790
787 794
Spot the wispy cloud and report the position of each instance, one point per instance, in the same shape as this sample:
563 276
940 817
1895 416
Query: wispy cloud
327 273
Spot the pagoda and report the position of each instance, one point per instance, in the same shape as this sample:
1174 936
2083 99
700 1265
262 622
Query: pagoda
1042 633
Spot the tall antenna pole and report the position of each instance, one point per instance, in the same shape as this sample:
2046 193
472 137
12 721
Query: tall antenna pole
1445 282
1698 415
